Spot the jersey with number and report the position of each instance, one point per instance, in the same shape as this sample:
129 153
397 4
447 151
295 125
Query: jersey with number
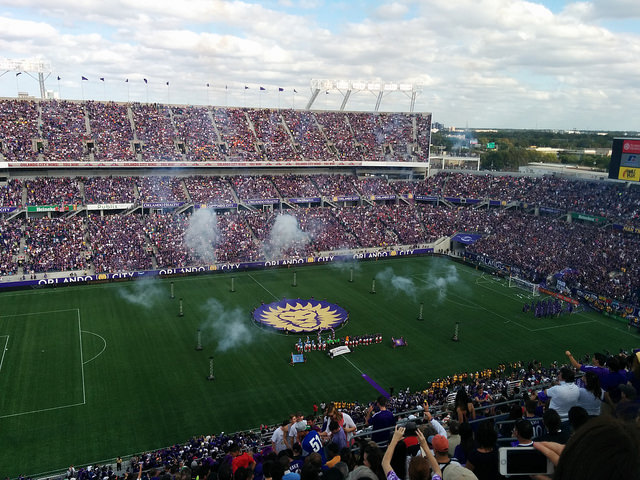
313 443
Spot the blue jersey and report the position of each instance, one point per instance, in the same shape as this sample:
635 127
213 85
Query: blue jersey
313 443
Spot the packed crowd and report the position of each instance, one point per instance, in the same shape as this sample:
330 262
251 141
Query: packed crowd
11 193
194 127
64 130
307 136
339 135
272 134
207 190
110 131
536 247
154 130
53 191
452 429
54 244
10 235
118 243
109 190
541 246
161 189
19 127
295 186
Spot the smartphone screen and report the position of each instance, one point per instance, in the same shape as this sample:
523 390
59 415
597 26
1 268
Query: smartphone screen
522 461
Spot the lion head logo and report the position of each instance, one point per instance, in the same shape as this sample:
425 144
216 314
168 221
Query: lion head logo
300 315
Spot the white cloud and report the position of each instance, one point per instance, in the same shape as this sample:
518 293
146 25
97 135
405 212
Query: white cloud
480 61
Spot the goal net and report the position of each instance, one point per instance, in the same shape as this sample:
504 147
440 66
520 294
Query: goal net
532 288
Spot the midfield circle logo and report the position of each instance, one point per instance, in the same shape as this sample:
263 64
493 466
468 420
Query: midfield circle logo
297 315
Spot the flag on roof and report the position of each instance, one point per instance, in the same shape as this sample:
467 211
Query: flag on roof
102 79
59 78
167 84
280 89
85 78
262 88
246 88
126 80
145 80
19 73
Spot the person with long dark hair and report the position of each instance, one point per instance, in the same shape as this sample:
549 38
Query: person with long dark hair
464 407
591 394
484 461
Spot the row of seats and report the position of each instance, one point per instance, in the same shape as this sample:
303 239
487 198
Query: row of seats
591 258
62 131
615 201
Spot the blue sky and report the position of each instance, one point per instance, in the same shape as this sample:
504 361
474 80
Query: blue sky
483 63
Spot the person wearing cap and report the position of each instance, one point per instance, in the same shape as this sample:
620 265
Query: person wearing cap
309 439
440 446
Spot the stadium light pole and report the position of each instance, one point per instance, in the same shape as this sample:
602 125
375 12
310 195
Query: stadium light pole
29 66
347 87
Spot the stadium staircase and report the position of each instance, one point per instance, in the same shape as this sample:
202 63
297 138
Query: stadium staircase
189 203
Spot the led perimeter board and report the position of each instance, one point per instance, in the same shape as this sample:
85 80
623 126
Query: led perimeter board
625 159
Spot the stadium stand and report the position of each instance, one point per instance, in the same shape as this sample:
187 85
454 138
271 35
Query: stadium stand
531 229
537 245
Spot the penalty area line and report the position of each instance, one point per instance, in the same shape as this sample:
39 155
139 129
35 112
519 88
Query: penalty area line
563 325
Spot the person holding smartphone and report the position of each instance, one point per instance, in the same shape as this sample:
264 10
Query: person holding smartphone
398 435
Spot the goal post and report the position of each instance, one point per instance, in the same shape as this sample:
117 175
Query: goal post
532 288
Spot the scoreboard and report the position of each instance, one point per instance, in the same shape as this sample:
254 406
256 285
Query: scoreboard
625 159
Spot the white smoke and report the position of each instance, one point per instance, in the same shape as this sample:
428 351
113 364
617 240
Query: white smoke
202 234
398 283
284 235
440 282
229 327
145 292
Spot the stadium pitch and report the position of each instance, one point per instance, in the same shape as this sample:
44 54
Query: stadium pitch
92 372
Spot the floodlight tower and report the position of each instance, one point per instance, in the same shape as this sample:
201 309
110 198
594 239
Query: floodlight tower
347 87
28 66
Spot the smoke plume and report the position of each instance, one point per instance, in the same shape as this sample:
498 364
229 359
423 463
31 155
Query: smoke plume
229 327
398 283
284 235
145 292
202 234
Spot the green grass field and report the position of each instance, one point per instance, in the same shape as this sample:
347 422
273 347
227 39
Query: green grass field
91 372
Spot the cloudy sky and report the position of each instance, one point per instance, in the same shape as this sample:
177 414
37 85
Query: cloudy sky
481 63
